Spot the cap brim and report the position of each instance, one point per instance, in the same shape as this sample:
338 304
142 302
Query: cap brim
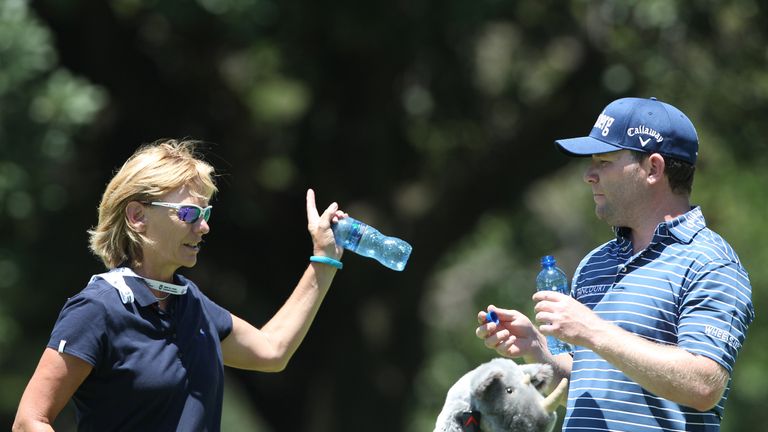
584 146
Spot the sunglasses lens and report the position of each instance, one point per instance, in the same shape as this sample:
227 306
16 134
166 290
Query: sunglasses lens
190 214
207 214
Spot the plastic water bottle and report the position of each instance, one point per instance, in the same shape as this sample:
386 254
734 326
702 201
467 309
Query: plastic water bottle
551 278
367 241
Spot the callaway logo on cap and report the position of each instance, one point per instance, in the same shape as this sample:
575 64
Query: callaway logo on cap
646 125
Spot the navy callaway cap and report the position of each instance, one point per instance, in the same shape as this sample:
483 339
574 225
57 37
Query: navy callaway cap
646 125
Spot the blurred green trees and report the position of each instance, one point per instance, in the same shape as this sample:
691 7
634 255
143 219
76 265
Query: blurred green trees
433 121
43 110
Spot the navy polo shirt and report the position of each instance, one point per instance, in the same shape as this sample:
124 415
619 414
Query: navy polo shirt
153 370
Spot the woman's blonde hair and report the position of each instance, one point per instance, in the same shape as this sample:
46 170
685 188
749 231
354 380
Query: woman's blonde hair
152 171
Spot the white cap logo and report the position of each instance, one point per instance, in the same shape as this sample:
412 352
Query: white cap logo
645 130
604 123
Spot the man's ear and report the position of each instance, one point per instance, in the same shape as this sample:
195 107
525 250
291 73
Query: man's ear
135 216
656 167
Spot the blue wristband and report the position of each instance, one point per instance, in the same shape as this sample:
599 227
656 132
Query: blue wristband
325 260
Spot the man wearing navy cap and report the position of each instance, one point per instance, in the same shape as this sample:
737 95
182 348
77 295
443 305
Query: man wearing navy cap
657 315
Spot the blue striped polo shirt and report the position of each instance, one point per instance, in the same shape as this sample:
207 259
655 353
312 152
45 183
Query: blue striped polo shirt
687 288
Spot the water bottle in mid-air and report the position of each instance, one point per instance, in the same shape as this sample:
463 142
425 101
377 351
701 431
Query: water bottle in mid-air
367 241
551 278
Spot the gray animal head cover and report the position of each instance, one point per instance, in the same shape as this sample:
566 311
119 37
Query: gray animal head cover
507 395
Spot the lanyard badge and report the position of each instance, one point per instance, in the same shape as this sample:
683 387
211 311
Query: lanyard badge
115 278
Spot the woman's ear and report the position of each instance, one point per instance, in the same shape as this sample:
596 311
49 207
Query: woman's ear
134 214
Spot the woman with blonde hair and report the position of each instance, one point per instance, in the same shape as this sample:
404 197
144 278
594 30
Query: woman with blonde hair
141 347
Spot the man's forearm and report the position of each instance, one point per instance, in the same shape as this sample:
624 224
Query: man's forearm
665 370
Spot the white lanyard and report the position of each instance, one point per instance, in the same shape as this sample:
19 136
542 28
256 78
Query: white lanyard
113 277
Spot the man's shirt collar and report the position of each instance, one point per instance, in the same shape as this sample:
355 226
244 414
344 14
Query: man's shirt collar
683 228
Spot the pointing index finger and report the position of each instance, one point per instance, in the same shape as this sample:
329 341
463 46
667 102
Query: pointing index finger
312 214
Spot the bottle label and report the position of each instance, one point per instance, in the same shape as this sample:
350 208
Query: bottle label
356 232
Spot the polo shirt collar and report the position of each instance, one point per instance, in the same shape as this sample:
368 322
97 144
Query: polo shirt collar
683 228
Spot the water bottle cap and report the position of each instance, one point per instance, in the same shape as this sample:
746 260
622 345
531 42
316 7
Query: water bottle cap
548 260
492 316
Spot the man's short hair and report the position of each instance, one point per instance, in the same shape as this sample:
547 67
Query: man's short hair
679 173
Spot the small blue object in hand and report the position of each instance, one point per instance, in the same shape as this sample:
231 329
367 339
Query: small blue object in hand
492 316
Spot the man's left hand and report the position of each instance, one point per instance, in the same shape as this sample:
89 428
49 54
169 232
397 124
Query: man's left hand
566 318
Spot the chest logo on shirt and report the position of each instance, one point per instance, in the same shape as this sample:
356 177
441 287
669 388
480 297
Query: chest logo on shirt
583 291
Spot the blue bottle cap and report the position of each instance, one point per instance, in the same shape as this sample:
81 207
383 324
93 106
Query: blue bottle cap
548 260
492 316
